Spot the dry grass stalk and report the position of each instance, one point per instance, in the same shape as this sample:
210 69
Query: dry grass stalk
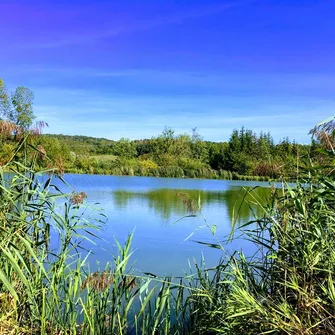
128 282
78 198
325 134
38 128
7 128
98 281
41 152
191 205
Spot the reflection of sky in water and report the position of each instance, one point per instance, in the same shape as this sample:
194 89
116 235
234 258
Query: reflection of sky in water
151 208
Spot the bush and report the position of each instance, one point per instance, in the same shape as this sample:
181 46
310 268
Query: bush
148 164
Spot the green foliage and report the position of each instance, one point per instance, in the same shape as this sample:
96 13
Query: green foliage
148 164
166 159
105 157
45 288
168 146
6 151
286 288
199 149
225 174
85 145
246 156
191 163
53 152
125 148
17 107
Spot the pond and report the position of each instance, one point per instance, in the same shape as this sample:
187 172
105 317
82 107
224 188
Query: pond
163 216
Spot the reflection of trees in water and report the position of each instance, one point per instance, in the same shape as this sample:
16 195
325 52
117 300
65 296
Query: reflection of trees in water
167 202
242 202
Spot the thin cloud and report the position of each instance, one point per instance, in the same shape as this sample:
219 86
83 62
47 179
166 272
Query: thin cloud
320 84
137 27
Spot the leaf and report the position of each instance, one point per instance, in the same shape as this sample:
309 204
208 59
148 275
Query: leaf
9 286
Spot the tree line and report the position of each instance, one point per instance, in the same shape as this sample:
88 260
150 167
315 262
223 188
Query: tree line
246 155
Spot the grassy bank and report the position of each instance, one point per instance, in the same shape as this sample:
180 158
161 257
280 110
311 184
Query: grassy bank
168 172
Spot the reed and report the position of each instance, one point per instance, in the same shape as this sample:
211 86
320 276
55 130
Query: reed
47 288
286 287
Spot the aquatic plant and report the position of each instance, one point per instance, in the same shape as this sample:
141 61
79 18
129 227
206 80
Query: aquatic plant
287 287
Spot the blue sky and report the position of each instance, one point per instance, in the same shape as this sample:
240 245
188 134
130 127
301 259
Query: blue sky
127 68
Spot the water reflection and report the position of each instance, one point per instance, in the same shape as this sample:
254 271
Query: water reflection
168 203
151 208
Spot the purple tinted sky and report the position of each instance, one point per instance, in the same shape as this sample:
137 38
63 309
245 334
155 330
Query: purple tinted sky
128 68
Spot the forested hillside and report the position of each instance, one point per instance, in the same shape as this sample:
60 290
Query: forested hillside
246 155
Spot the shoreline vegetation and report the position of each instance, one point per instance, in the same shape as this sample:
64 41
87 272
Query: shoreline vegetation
286 288
246 156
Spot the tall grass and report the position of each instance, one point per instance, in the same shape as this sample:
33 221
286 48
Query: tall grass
45 285
135 168
287 287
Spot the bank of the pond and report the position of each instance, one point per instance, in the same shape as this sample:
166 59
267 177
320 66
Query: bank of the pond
171 172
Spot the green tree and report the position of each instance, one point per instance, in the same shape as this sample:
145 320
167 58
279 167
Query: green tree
181 146
199 147
217 155
168 148
54 149
17 106
234 147
125 148
164 142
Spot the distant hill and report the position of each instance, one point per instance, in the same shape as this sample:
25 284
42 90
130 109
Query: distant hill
85 145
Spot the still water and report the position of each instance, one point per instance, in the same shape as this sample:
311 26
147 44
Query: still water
157 211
